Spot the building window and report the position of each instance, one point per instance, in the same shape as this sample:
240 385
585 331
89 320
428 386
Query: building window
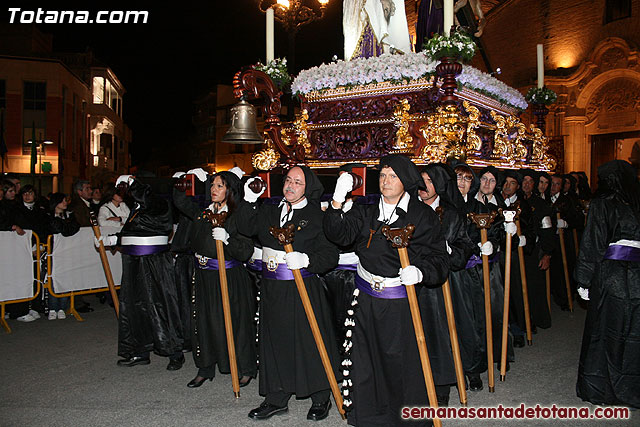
98 90
616 9
35 96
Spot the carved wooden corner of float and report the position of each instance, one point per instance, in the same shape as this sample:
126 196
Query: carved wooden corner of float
508 147
298 132
482 220
217 220
399 237
474 143
284 236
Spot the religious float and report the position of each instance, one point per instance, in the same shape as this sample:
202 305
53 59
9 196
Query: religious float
427 106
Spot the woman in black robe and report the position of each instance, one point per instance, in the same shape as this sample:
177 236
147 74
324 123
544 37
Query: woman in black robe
608 274
208 334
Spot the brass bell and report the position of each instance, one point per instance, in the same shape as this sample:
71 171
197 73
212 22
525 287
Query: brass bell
243 128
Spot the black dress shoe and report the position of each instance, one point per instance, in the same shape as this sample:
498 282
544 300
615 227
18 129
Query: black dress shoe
475 383
245 383
267 410
198 381
133 361
319 411
175 364
518 341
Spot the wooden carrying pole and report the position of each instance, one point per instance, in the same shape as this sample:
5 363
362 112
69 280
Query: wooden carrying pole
105 262
399 238
525 288
453 333
508 215
285 237
217 220
563 249
484 221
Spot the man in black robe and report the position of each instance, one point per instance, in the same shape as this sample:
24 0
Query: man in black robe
538 249
385 372
608 274
442 195
149 314
289 359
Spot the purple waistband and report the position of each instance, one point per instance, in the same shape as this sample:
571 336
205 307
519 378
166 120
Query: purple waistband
350 267
139 250
212 264
282 272
477 260
623 253
394 292
255 264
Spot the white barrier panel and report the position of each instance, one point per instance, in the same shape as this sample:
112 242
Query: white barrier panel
76 262
16 266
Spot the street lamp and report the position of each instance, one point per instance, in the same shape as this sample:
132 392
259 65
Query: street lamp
293 14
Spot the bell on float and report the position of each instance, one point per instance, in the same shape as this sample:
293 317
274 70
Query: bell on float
243 129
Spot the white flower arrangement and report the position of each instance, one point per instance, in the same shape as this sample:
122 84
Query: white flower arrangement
277 70
397 68
544 96
459 45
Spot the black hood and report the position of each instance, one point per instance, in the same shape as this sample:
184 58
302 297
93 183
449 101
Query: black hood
233 183
313 187
406 171
475 184
619 179
444 180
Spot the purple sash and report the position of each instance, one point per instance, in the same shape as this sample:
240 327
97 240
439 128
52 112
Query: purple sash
623 253
394 292
477 260
255 264
282 273
349 267
212 264
140 250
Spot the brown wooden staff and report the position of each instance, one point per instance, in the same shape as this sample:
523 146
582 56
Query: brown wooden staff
484 221
285 237
453 333
399 238
523 279
217 220
105 262
509 216
563 249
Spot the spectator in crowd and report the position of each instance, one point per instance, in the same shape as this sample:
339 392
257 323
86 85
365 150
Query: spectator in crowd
61 221
80 206
113 212
96 199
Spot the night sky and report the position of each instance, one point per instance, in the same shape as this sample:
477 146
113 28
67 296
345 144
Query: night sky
183 51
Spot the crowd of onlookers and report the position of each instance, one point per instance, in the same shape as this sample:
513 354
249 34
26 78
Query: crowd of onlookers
22 208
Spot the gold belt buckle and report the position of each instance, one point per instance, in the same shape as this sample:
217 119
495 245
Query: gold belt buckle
272 264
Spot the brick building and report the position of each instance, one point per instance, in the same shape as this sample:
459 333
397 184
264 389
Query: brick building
70 102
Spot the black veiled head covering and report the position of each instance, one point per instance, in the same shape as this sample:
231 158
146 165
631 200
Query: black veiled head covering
234 185
619 179
572 181
511 173
313 187
529 172
406 171
444 181
475 184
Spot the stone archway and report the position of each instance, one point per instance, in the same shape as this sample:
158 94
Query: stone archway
601 97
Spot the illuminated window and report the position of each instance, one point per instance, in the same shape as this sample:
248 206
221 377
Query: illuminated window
98 90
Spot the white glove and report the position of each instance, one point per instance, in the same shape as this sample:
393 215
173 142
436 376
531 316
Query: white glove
510 228
178 175
448 247
584 293
562 224
249 195
200 173
523 241
343 186
296 260
221 234
410 275
486 249
106 240
125 178
237 171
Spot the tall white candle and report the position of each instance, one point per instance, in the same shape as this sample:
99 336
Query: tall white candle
270 51
540 67
448 17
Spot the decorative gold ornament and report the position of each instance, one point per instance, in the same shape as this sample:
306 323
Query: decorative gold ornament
401 120
443 133
509 138
267 158
300 129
